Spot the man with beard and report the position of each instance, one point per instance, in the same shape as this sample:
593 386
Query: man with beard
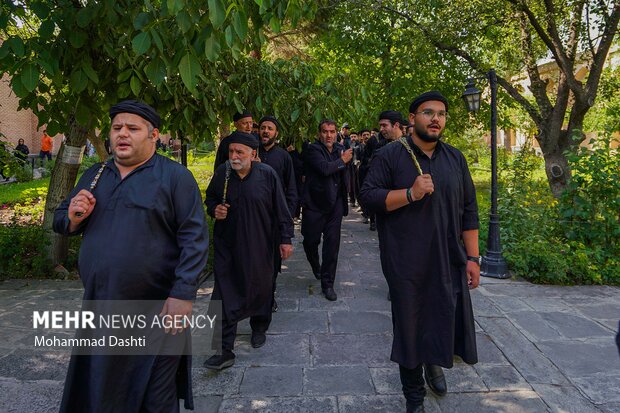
425 201
324 203
252 223
144 237
279 159
243 123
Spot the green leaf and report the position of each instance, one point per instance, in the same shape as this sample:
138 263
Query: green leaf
157 40
4 21
217 13
228 34
45 63
295 115
141 20
189 67
84 17
78 81
187 114
275 24
46 30
17 45
5 49
136 85
240 23
212 47
141 43
156 71
184 21
124 75
30 77
82 114
123 90
77 38
174 6
259 103
90 72
18 88
40 9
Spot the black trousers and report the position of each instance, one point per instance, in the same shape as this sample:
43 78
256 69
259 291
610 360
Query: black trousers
413 385
315 224
161 393
259 323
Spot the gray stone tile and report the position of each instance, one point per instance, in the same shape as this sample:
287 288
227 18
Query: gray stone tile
287 304
371 404
574 326
488 353
299 322
533 326
272 381
319 303
578 359
204 404
609 407
533 365
504 402
510 304
463 378
26 365
372 350
600 311
335 380
41 396
368 304
502 378
280 405
561 399
548 304
279 350
208 382
359 322
386 380
601 387
483 306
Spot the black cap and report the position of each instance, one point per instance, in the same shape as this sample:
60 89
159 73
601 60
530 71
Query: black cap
241 115
345 126
392 115
425 97
137 108
244 139
269 118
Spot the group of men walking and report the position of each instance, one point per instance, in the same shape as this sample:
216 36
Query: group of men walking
416 189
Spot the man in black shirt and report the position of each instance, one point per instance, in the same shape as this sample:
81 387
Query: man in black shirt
324 203
243 123
271 154
427 218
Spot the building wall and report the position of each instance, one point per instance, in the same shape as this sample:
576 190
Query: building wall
16 124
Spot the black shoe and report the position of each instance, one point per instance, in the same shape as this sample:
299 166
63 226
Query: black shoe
366 220
274 306
258 339
435 379
330 294
373 226
221 362
416 409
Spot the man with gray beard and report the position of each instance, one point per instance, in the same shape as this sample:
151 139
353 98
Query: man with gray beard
252 219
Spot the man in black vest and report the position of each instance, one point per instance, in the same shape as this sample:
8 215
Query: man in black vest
324 203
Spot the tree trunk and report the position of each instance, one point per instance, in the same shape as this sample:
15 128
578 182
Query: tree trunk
61 182
99 145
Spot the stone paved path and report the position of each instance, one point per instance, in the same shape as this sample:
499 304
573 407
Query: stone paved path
541 348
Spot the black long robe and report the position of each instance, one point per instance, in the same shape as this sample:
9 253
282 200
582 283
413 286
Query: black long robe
280 160
422 253
146 239
258 221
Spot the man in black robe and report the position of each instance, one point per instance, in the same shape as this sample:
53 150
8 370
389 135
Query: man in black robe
144 237
243 123
324 203
252 222
428 240
271 154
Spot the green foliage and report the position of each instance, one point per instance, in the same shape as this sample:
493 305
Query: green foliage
571 241
590 207
22 252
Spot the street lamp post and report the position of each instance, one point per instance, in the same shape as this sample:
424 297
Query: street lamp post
493 263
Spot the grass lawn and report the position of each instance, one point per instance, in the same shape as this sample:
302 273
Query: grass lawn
23 192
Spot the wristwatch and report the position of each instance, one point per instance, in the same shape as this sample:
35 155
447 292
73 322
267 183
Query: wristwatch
477 260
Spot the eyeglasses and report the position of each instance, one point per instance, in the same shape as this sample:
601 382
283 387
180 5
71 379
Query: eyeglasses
430 114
